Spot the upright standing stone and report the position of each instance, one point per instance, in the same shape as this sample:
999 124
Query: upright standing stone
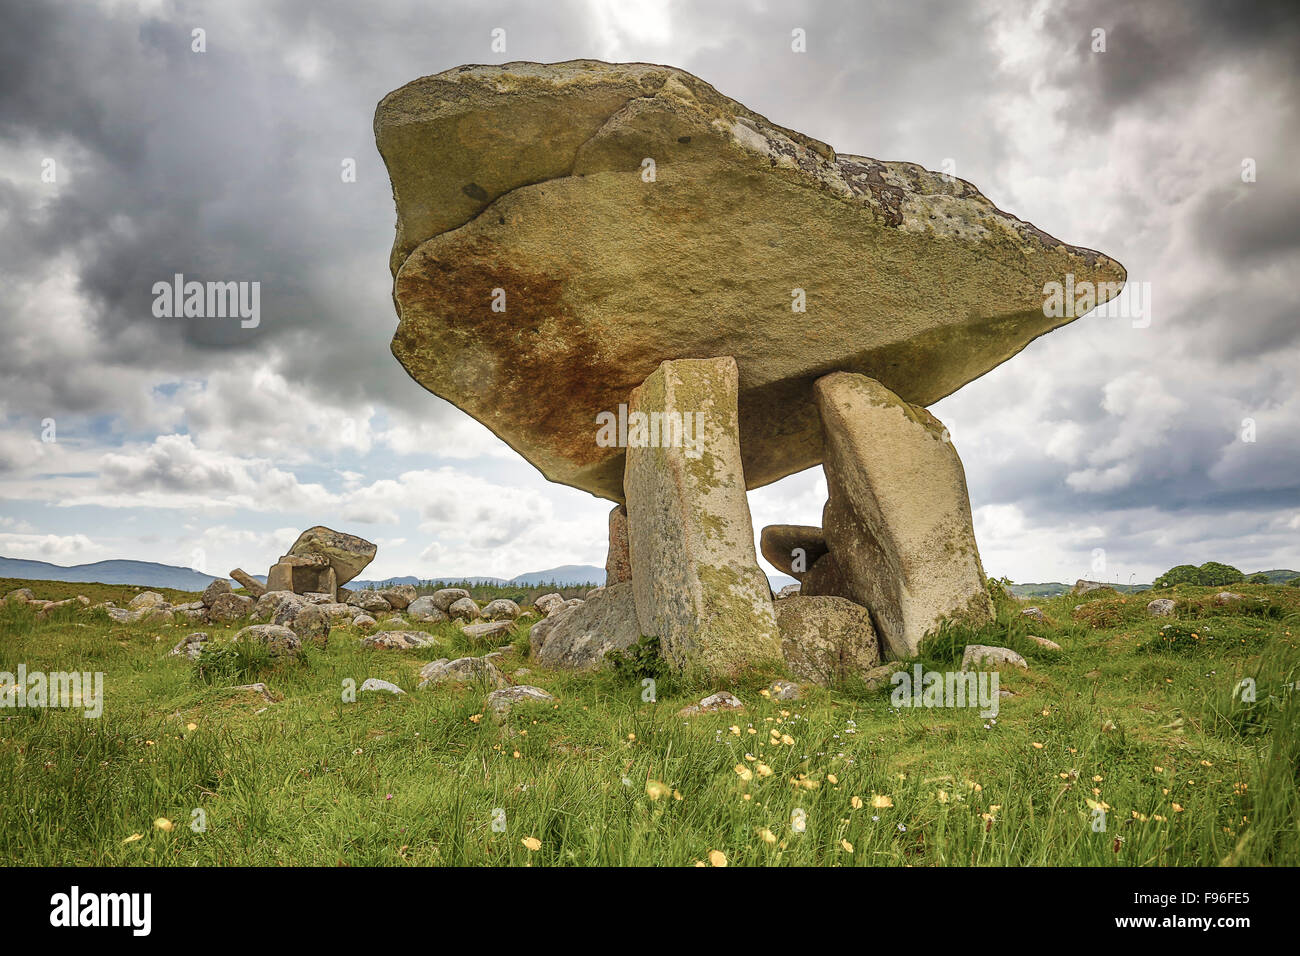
898 520
695 573
618 566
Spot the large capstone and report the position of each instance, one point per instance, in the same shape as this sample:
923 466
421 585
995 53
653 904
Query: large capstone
695 573
346 554
563 229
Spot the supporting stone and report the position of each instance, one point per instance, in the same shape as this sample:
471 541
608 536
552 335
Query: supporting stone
898 520
695 573
618 566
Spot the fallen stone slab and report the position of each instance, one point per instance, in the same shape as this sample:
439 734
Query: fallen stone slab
398 640
695 573
487 630
744 238
249 583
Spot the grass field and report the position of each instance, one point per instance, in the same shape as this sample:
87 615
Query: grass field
1119 727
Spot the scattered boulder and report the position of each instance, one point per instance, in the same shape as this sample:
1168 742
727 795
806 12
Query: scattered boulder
190 646
487 630
318 597
695 574
1161 607
424 610
1228 597
580 638
312 625
399 596
463 609
119 614
443 599
264 607
792 548
700 262
464 670
339 612
229 606
20 595
151 615
52 606
147 599
618 560
398 640
375 684
1082 586
898 519
722 700
218 587
364 622
826 640
502 609
982 655
1035 614
281 641
288 609
501 701
369 601
548 602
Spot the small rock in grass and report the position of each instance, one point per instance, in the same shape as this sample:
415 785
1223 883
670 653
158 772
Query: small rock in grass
1161 607
1045 643
711 704
500 701
375 684
976 655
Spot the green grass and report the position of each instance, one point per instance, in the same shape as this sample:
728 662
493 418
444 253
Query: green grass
1191 773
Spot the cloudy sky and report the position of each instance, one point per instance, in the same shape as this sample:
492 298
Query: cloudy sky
1110 448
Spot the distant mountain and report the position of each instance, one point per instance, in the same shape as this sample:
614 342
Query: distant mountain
146 574
569 575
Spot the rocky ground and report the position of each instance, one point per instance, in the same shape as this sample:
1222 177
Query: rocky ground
427 734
